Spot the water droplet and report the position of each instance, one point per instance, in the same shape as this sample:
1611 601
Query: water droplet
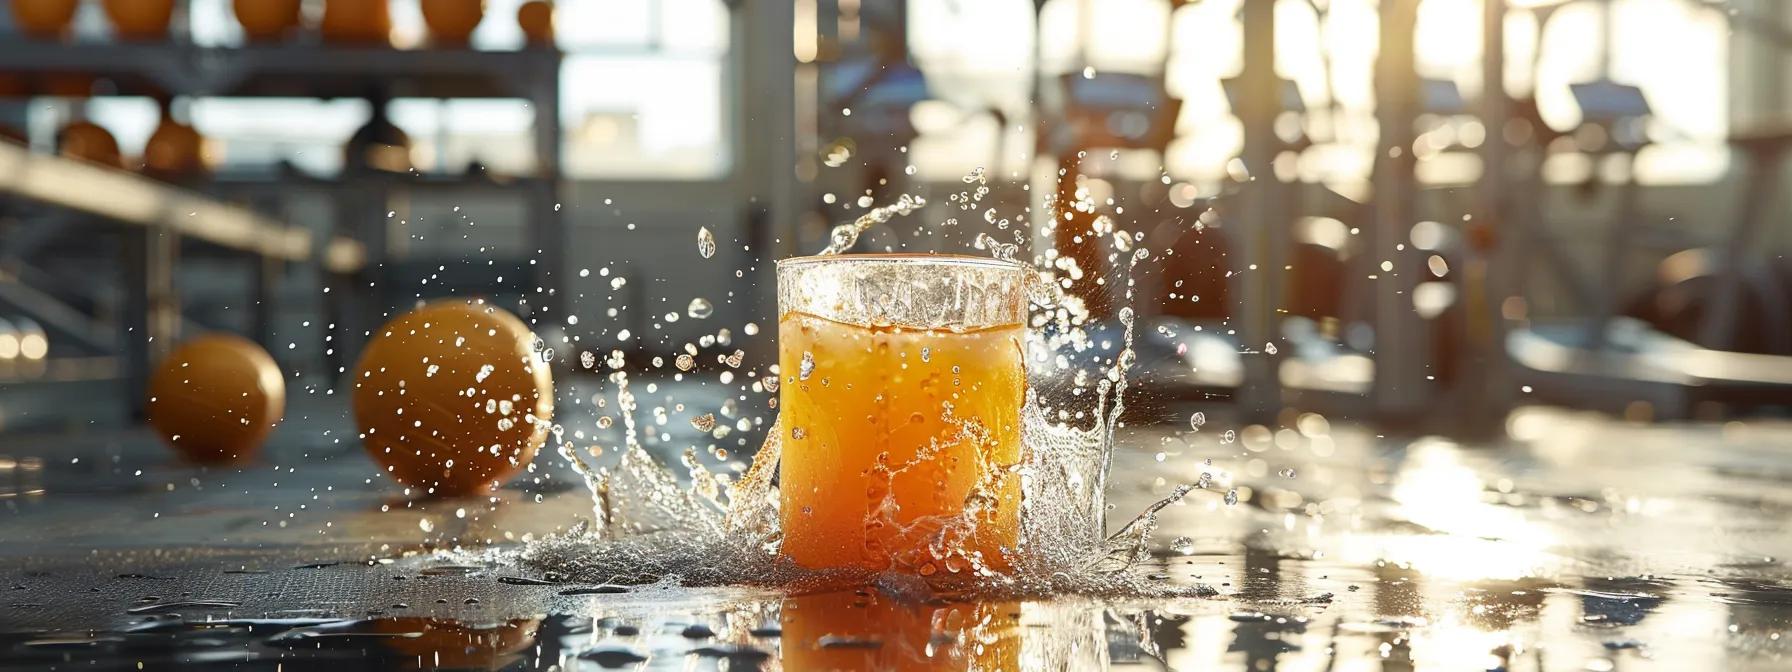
699 308
1195 421
1183 545
684 362
1232 497
704 423
1269 348
587 359
926 354
1229 436
807 368
1287 473
798 433
706 242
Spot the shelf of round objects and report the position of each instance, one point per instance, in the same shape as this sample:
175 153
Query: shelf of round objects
1579 542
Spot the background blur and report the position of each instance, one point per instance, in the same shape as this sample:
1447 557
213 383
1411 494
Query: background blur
1379 208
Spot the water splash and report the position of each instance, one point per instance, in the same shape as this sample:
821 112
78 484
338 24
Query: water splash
845 235
647 527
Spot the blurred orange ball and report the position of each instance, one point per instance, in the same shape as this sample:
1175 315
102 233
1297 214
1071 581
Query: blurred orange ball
267 20
43 18
66 84
87 140
174 150
357 21
140 19
451 397
536 18
216 398
451 22
13 85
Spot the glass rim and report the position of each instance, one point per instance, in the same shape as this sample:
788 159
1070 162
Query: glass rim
941 259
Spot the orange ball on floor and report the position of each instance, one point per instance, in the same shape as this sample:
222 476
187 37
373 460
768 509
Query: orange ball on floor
451 397
216 398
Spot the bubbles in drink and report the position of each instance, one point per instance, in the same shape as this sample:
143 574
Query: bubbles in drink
807 368
837 154
706 243
1195 421
700 308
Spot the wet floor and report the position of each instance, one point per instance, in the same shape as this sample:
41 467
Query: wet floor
1580 543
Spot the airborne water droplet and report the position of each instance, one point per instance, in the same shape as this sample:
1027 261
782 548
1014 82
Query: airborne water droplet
1232 497
1195 421
706 242
1183 545
1269 348
1229 436
704 423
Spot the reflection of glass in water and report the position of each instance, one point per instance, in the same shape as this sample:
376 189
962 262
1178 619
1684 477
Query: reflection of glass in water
866 630
902 394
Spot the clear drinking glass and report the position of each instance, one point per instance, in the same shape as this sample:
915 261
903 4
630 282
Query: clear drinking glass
903 380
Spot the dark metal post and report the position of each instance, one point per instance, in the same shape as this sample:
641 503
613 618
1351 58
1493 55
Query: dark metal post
152 309
1264 224
1402 343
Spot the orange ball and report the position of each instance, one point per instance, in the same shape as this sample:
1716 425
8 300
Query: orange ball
174 150
216 397
140 19
536 18
266 20
87 140
451 397
451 22
357 21
43 19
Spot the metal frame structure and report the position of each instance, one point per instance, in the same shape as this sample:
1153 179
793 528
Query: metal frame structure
308 69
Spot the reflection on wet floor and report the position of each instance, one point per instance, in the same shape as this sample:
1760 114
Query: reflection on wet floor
1578 544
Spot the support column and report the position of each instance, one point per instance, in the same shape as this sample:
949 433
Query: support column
1256 308
152 308
1402 340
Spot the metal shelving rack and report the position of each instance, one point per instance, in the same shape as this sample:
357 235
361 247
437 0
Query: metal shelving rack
155 218
307 68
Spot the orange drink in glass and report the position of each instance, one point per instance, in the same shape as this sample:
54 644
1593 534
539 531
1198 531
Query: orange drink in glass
902 383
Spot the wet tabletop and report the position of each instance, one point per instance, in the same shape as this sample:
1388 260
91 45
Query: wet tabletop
1577 542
